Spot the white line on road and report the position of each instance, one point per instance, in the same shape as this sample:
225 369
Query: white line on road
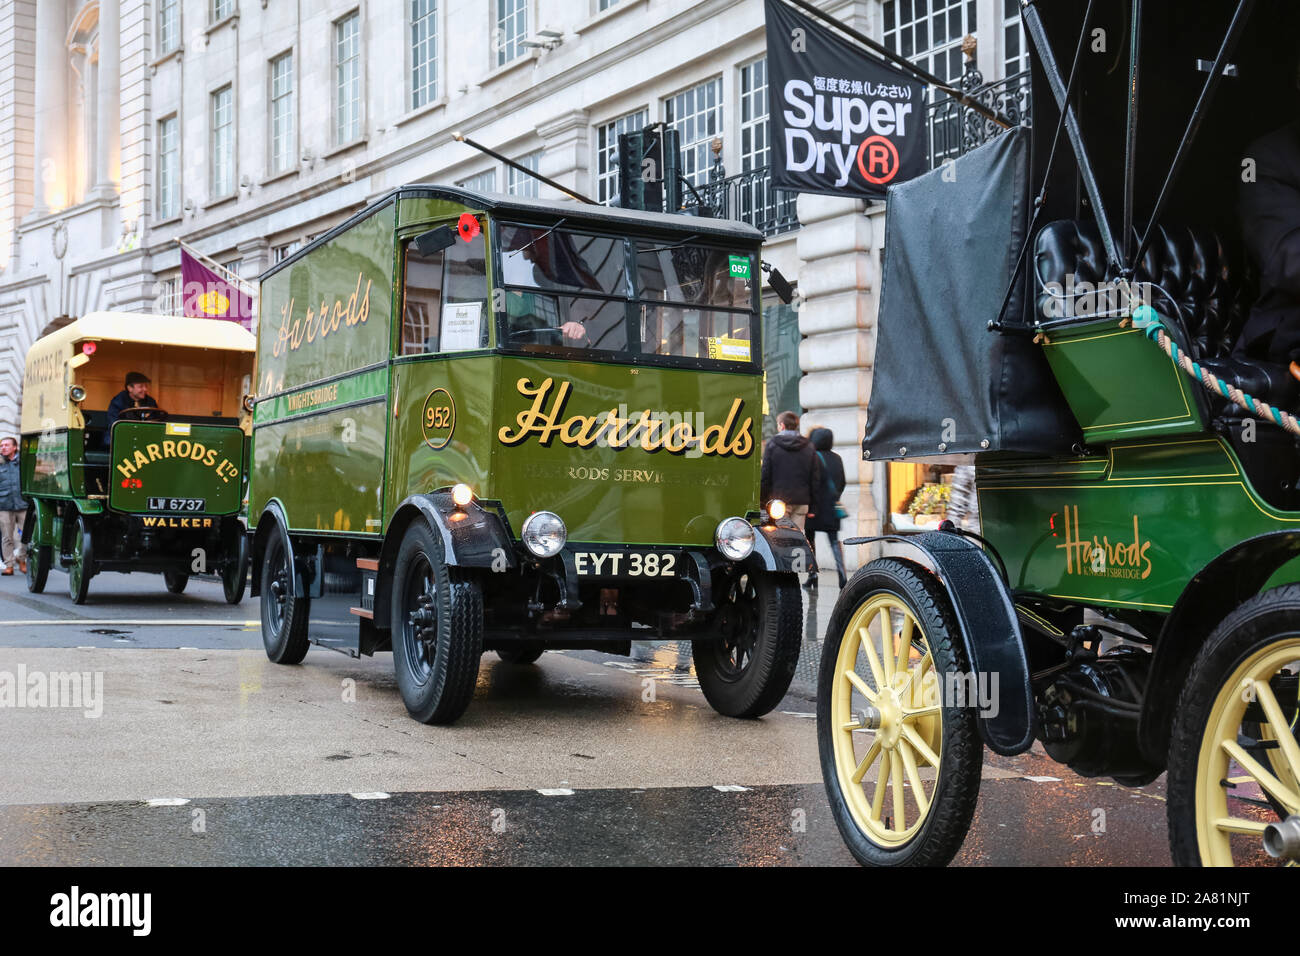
80 622
730 787
555 792
168 801
371 795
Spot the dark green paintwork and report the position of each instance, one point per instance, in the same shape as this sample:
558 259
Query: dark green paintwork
176 460
1188 495
1119 385
340 445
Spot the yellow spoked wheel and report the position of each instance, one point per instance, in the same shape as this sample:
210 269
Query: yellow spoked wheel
901 768
885 700
1234 764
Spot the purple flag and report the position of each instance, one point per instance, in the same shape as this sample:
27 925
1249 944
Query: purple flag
209 296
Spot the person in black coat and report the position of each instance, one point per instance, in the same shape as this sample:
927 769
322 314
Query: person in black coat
822 515
1270 218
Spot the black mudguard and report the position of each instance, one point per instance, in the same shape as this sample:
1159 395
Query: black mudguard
989 629
782 549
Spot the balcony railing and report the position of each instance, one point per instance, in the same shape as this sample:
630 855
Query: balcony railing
750 197
955 129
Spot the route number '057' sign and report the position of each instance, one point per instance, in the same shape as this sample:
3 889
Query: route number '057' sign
841 123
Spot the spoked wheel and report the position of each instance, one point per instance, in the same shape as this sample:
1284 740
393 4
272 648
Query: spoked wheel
437 626
81 568
38 555
745 670
176 581
1234 759
284 616
234 576
900 762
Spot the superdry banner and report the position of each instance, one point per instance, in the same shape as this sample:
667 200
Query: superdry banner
841 123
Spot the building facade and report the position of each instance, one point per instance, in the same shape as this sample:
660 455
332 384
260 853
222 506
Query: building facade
247 127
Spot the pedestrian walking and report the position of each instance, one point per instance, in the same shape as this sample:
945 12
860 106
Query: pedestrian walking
827 513
791 472
12 508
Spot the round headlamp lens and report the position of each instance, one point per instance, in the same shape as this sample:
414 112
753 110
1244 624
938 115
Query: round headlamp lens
76 393
735 538
461 494
544 534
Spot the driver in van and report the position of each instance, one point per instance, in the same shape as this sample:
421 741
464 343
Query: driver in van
135 395
527 266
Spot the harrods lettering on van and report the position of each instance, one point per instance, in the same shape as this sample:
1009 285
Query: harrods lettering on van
193 451
647 430
293 332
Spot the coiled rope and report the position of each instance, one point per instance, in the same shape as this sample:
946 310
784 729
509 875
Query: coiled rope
1148 321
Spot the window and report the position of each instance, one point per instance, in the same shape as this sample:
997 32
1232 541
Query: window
521 184
221 9
484 182
606 4
281 113
168 296
233 266
760 204
444 299
696 114
169 168
1015 54
223 142
929 32
511 29
169 25
607 152
424 52
347 79
282 252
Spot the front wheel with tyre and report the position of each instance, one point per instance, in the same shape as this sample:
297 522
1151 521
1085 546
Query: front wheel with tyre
81 563
38 555
176 581
900 757
234 576
1234 757
284 615
746 668
437 628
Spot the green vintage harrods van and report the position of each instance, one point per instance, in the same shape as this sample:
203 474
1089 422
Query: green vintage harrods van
493 423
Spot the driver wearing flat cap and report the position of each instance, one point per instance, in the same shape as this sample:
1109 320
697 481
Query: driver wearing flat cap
135 395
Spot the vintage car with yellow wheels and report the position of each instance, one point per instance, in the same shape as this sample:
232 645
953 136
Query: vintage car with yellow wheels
1128 596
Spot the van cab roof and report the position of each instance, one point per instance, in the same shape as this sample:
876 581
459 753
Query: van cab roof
173 330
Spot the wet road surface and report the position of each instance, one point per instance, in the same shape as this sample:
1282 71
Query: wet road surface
270 757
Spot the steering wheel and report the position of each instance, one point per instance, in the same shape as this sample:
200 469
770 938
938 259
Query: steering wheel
143 413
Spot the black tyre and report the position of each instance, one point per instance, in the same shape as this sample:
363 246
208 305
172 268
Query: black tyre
234 576
524 652
437 628
1234 759
176 581
38 555
746 669
284 616
81 564
892 715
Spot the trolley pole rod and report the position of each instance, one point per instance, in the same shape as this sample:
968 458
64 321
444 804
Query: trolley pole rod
460 138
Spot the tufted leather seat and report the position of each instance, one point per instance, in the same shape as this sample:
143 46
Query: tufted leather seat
1200 283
